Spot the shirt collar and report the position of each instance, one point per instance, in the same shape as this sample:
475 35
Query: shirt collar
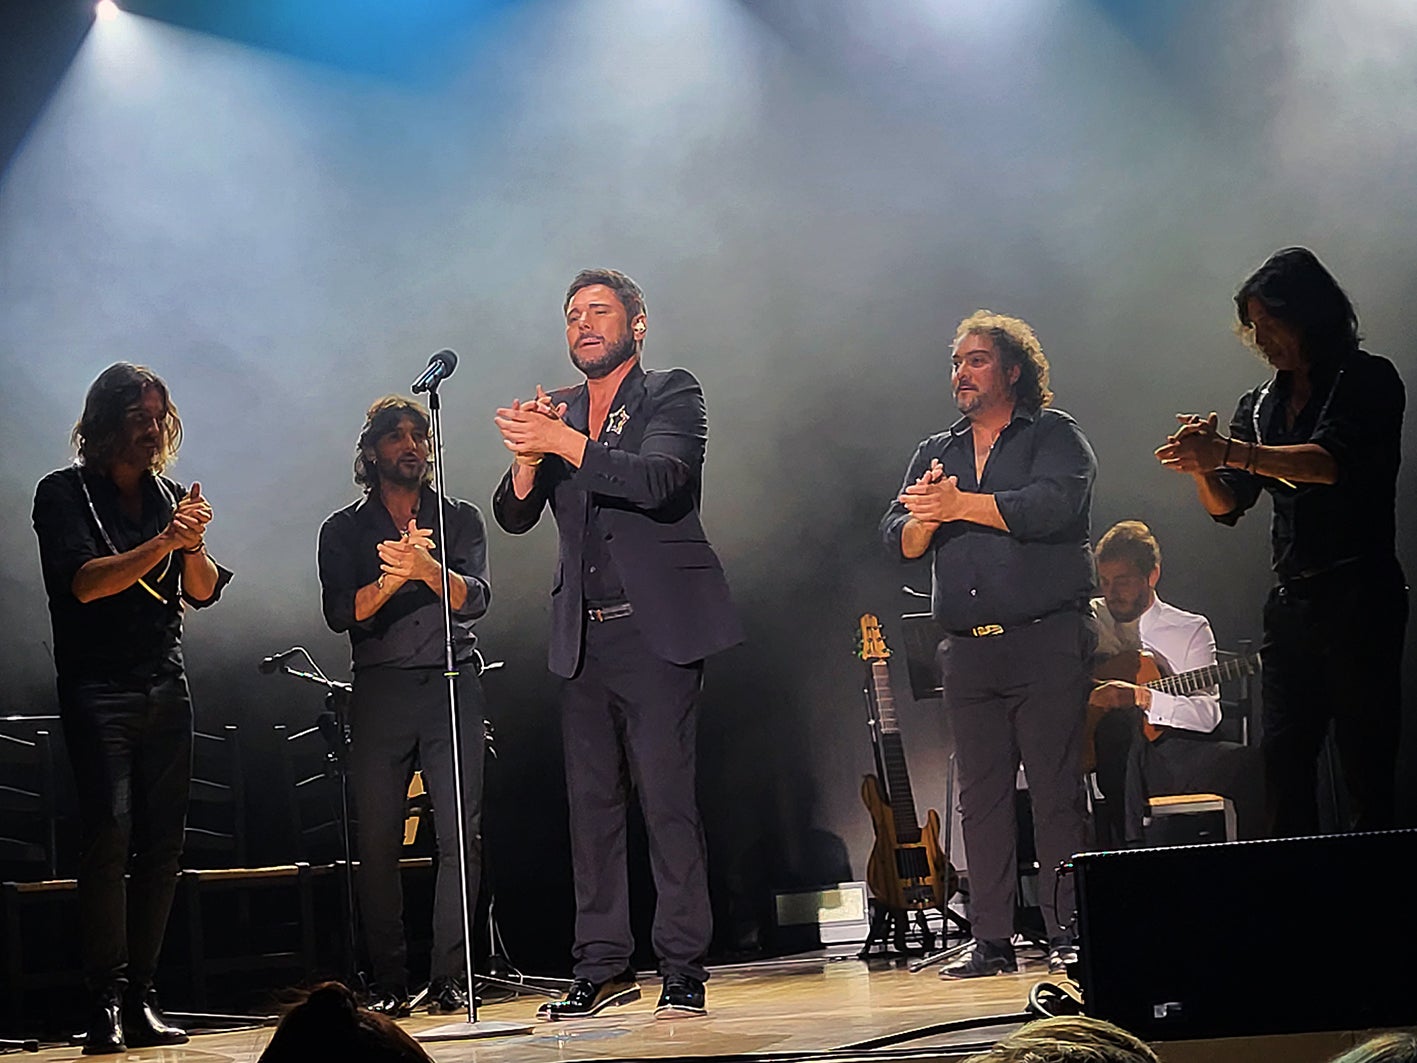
962 426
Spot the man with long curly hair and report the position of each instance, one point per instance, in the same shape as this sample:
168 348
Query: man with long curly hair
1001 500
123 550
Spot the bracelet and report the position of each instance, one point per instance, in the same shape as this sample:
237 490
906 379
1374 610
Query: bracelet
1225 459
198 549
1250 461
529 464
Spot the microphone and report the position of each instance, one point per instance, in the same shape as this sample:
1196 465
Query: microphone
273 662
440 367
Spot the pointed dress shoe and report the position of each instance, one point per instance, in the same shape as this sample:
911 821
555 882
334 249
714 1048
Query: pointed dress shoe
447 996
987 958
585 998
388 1000
144 1025
105 1026
682 996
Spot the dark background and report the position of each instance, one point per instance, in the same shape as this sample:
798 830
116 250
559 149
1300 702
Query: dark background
285 208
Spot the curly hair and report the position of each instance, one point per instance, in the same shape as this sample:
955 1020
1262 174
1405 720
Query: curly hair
100 433
1017 345
1384 1048
1130 540
1068 1039
1298 289
384 417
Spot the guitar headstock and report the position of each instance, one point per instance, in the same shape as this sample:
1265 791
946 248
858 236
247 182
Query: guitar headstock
870 642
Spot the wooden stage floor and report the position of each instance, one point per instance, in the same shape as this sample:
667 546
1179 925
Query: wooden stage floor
799 1007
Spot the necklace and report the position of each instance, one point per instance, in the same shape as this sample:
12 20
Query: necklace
108 541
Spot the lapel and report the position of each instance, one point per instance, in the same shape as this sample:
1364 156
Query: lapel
623 408
577 408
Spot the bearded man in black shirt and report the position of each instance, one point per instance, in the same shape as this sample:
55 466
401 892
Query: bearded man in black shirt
1002 501
381 581
123 549
1324 438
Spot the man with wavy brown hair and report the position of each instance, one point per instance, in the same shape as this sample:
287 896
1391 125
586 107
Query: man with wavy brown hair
381 581
123 549
1001 501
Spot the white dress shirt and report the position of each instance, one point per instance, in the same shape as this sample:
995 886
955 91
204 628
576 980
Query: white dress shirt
1180 641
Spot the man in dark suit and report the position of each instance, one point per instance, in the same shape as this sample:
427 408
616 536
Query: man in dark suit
639 601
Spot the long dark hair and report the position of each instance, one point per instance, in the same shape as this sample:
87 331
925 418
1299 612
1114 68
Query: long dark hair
383 417
101 431
1296 287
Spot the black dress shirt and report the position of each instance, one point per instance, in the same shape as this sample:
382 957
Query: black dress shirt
133 634
1354 412
1040 473
407 631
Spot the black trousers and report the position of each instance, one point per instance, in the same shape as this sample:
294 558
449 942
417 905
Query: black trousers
1332 651
630 720
399 722
130 744
1130 770
1018 696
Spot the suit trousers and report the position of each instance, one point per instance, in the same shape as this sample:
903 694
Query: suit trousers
130 744
1132 770
629 721
1018 696
399 722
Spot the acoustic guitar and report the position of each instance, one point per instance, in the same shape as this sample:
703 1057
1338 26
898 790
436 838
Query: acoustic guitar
1141 668
906 870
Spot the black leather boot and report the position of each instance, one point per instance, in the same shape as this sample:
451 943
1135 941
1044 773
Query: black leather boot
144 1024
105 1026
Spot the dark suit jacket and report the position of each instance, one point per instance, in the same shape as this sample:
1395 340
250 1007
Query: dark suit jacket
646 481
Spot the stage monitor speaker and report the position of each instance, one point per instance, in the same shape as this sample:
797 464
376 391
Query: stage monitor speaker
1250 938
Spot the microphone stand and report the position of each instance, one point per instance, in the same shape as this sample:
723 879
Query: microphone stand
336 699
455 1031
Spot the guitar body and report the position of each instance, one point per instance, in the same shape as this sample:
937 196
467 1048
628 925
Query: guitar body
1131 666
905 875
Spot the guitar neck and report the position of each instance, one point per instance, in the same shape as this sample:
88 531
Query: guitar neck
898 791
1211 675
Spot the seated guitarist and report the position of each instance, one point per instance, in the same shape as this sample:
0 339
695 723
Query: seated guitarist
1185 757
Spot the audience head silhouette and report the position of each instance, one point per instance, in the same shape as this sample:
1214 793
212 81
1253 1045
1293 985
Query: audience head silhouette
1068 1039
329 1024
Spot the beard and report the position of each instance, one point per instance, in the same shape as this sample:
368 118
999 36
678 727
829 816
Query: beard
610 360
968 401
394 472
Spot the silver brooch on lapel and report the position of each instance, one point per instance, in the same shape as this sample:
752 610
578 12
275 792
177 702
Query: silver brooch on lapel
616 422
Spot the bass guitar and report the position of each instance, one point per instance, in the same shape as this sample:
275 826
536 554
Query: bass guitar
906 870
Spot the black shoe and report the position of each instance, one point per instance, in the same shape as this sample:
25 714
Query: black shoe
1062 954
388 1001
585 997
682 995
144 1025
987 958
447 996
105 1027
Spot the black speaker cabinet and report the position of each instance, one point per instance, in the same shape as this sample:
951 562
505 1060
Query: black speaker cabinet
1250 938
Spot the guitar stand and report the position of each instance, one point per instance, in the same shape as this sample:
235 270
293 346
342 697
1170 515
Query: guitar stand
896 926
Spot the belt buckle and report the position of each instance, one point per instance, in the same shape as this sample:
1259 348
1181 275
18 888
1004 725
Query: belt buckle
984 630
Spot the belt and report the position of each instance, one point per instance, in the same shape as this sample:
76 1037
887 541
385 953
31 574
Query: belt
984 631
610 612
